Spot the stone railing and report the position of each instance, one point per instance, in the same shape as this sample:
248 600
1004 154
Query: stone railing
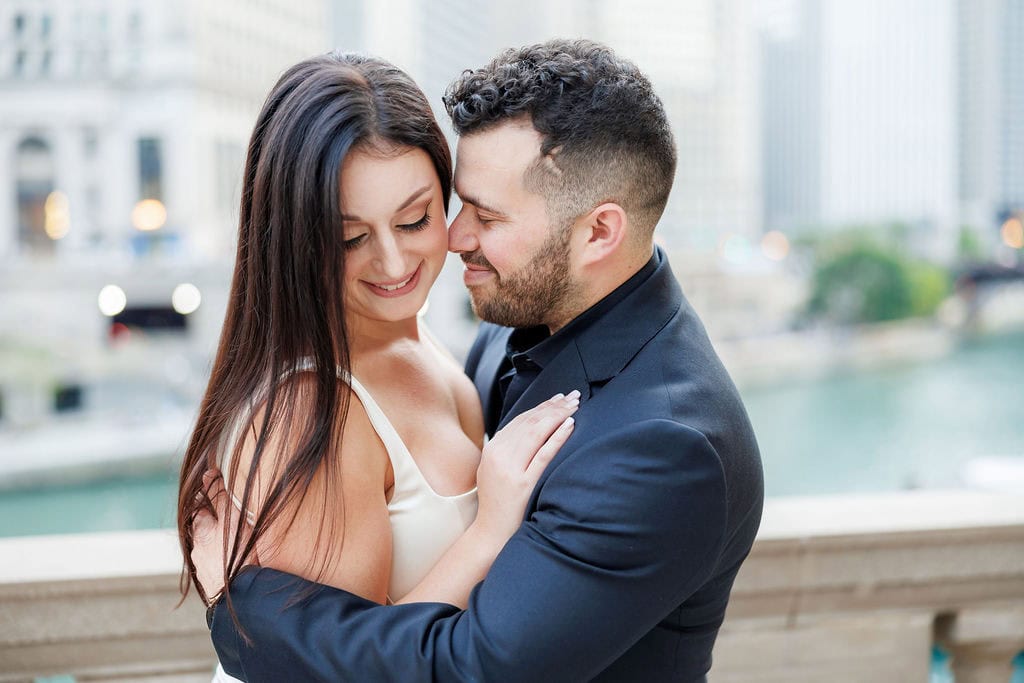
859 588
838 589
99 607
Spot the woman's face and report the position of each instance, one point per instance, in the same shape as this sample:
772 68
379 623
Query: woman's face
395 234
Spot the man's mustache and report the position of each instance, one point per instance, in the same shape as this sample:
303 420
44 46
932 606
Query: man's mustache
476 259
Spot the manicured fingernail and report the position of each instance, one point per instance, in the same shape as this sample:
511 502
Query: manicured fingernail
568 423
557 396
575 393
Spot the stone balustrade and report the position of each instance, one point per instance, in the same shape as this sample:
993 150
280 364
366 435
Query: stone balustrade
837 589
859 588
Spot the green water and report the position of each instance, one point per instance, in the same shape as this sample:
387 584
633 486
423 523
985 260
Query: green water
912 425
130 503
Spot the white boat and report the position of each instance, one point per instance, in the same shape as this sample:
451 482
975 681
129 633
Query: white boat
1003 474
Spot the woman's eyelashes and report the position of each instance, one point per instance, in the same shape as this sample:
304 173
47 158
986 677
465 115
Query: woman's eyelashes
418 225
422 223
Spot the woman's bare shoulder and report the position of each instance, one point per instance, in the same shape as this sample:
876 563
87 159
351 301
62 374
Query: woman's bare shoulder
336 531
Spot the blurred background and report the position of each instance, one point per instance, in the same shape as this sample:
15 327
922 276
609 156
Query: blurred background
846 218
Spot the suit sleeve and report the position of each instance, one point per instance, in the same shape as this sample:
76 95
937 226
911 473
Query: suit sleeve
624 530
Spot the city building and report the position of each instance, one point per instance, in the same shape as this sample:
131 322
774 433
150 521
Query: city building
111 102
123 129
990 81
700 56
860 118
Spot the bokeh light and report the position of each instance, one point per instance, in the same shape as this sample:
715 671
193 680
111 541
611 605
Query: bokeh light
149 215
735 249
112 300
775 245
186 298
1013 233
56 215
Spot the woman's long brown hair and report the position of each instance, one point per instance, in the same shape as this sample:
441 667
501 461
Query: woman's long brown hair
287 299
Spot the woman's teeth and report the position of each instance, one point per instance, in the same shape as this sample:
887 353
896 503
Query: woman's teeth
391 288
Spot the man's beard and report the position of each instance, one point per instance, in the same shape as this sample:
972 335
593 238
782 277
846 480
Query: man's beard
535 294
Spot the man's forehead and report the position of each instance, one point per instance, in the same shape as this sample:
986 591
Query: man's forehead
508 146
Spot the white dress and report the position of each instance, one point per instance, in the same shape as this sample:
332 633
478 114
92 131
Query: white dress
424 524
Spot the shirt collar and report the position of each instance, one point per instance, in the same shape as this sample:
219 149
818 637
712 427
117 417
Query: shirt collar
541 347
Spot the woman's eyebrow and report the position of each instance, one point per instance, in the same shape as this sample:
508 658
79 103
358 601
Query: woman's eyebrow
413 197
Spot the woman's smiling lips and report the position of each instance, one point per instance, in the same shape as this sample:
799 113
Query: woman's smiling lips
395 288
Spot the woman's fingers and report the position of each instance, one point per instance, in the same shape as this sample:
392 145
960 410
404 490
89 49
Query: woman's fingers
547 452
207 552
513 460
530 430
213 485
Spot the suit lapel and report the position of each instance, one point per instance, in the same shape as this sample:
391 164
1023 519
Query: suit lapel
486 375
565 373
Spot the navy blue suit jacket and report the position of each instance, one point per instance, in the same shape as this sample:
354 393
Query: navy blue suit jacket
631 540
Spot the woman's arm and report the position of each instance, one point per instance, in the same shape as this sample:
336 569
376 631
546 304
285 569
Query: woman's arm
312 547
339 533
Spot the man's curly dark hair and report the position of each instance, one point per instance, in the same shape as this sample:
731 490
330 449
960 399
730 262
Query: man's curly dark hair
605 135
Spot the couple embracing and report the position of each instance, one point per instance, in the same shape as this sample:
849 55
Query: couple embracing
575 503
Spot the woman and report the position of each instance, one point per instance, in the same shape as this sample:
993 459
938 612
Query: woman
349 442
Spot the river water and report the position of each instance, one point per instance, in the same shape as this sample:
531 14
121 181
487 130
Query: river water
912 425
906 426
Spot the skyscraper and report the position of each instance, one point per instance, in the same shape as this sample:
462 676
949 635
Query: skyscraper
990 81
859 112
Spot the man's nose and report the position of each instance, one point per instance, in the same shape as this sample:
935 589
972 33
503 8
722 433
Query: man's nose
461 236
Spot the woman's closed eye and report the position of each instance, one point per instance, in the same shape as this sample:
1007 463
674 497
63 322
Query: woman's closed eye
354 242
418 225
422 223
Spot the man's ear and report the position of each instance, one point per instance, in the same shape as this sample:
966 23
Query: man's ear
604 230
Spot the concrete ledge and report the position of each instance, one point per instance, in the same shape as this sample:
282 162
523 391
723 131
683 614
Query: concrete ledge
850 588
843 588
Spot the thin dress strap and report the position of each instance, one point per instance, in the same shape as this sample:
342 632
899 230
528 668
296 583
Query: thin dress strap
397 451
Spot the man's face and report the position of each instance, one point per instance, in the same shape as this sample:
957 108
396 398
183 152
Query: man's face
518 265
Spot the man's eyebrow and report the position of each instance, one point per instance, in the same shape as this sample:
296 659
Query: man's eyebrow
413 197
467 199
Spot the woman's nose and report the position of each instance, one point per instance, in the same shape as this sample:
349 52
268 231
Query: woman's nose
389 258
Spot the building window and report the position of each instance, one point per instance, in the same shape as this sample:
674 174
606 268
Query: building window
67 398
45 25
134 25
44 64
228 162
20 59
19 24
92 211
90 142
150 169
150 318
34 182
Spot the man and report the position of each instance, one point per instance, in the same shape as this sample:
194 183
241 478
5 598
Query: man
622 568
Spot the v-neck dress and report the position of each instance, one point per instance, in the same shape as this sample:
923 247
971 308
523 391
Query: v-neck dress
424 524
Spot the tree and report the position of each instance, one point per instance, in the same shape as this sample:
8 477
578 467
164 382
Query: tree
862 282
